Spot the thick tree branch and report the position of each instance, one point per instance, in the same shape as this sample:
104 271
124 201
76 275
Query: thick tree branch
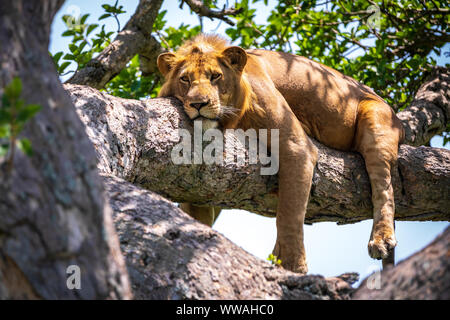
172 256
169 255
134 140
203 10
135 38
429 113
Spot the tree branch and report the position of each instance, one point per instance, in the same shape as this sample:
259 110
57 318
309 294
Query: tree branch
135 38
134 140
429 113
204 11
172 256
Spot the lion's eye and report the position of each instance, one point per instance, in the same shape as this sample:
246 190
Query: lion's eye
184 79
215 76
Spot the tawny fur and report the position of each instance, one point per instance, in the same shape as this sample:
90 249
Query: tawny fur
301 98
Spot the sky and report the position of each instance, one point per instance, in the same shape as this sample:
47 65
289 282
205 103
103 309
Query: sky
331 249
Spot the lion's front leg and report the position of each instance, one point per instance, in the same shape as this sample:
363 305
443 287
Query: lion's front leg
297 161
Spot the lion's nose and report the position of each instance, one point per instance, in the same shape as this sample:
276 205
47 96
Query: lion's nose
199 105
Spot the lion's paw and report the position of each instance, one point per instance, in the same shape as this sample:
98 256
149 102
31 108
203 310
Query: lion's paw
293 262
381 243
296 266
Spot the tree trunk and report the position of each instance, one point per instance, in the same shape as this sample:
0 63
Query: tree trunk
53 211
134 139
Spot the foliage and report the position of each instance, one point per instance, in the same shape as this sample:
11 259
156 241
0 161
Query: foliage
446 135
129 83
384 44
274 260
14 114
112 11
83 45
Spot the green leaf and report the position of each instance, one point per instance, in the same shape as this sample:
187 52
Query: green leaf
82 45
104 16
5 131
414 63
5 103
83 18
4 149
25 146
14 89
68 33
57 56
91 28
63 67
69 57
27 112
18 105
73 48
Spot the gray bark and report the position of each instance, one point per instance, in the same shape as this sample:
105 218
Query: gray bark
172 256
429 113
203 10
53 211
134 139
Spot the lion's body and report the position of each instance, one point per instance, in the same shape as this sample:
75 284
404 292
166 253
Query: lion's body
324 100
301 98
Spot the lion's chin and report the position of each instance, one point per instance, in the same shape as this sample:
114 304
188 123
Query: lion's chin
208 123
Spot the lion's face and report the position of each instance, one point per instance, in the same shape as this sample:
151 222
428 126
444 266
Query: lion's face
202 88
205 80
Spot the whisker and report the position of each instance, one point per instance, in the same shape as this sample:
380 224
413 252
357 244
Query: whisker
228 111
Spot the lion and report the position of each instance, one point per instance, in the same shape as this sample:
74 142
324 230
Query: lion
303 99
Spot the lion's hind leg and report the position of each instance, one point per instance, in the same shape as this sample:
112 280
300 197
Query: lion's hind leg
377 137
206 215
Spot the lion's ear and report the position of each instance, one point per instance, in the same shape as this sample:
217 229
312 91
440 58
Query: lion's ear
237 57
164 62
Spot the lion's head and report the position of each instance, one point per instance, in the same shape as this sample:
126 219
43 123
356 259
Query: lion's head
206 75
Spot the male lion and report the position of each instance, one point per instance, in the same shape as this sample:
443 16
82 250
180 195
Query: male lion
301 98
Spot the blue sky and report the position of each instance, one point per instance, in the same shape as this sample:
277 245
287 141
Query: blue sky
331 249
